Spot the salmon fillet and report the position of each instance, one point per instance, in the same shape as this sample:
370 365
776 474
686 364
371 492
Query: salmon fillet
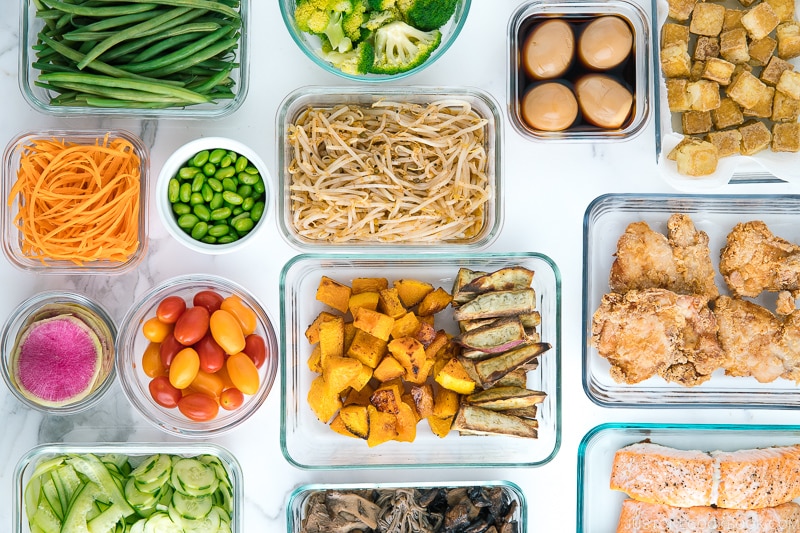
744 479
641 517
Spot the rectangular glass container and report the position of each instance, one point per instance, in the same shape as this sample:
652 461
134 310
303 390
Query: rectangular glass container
605 221
11 236
27 465
599 507
483 103
308 443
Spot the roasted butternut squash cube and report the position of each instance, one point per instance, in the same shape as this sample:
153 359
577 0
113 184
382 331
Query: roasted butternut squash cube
405 423
387 397
367 299
412 291
409 400
315 360
369 285
362 378
331 339
382 427
338 426
312 331
389 303
375 323
439 341
440 426
367 348
453 376
445 402
410 353
349 335
423 399
426 334
425 371
339 372
434 302
322 400
406 326
428 319
359 397
389 368
356 419
334 294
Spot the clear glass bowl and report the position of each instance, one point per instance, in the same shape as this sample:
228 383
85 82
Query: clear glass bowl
605 221
19 318
131 345
136 452
171 167
300 100
296 510
634 72
39 97
312 46
308 443
599 507
12 237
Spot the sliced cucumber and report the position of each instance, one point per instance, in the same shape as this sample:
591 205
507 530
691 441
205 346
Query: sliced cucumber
51 497
161 523
143 502
191 507
194 477
77 519
152 473
45 519
107 520
211 523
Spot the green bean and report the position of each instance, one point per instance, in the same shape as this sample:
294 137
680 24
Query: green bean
115 22
199 4
94 11
119 94
137 44
163 45
122 83
181 54
194 59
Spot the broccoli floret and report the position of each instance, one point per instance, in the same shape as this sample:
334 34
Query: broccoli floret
352 21
427 14
311 15
356 61
400 47
380 18
326 17
381 5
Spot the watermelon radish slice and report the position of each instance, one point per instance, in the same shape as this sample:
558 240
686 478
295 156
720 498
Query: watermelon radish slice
57 360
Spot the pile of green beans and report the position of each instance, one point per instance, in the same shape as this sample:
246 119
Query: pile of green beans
217 196
146 54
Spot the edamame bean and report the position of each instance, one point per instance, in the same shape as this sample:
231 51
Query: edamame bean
228 238
173 190
243 225
248 203
258 211
241 164
196 198
202 212
200 159
197 182
181 208
216 202
199 230
207 192
259 187
185 193
218 230
208 239
226 161
216 156
223 213
223 173
238 210
232 198
186 222
209 169
244 191
228 184
215 184
187 173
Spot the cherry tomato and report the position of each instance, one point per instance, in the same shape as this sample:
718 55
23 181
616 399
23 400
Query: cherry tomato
184 368
170 309
222 373
244 315
211 300
243 373
212 357
209 384
191 326
151 361
256 349
164 393
169 348
227 331
155 331
198 407
231 399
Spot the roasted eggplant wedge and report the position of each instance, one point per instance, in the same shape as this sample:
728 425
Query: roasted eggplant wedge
464 277
505 279
496 337
492 369
504 398
497 304
472 420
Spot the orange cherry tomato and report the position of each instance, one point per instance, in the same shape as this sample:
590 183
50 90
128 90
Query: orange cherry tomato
231 399
156 331
243 373
191 326
210 384
227 332
164 393
222 374
198 407
211 300
256 349
151 361
212 357
169 349
170 309
242 312
184 368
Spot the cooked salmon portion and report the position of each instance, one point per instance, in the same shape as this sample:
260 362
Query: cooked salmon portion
642 517
749 479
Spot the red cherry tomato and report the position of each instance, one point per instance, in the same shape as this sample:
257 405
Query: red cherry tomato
169 349
191 326
243 373
154 330
198 407
170 309
211 300
256 349
151 361
164 393
231 399
212 356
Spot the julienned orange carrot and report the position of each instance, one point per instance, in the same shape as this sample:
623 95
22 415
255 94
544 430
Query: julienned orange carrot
78 202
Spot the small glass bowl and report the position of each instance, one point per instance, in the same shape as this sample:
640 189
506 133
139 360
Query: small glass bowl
171 167
312 46
39 97
299 101
105 328
633 73
131 345
11 235
136 452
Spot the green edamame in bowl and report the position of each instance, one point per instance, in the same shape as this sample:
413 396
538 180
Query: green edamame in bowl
212 194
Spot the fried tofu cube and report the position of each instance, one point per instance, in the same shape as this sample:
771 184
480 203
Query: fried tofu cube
733 46
675 61
729 113
760 21
718 70
788 34
732 20
696 73
696 157
789 84
747 3
672 34
746 90
728 142
681 10
786 137
707 19
334 294
783 8
694 122
755 137
763 109
703 95
677 95
761 50
705 48
785 108
771 74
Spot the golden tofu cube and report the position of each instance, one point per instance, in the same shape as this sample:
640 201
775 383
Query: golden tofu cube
783 8
733 19
718 70
761 50
788 34
760 21
755 137
733 46
746 90
786 137
706 48
672 33
675 61
729 113
747 3
727 142
695 157
703 95
367 348
389 303
789 84
785 108
693 122
681 10
707 19
375 323
369 285
696 73
771 74
763 109
677 95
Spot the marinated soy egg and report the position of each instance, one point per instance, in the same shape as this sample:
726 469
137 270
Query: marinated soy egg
549 106
605 43
547 52
604 101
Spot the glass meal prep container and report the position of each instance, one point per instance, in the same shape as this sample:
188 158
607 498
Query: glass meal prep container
298 102
605 221
310 444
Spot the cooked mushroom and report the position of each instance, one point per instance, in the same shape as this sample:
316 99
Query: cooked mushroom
402 513
339 512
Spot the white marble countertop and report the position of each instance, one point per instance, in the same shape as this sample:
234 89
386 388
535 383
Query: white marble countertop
548 187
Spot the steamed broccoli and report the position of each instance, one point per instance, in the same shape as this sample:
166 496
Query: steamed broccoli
381 5
380 18
326 17
400 47
352 21
427 14
356 61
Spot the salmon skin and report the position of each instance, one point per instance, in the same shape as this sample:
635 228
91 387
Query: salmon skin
743 479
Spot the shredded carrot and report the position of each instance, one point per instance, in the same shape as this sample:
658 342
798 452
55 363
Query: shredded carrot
78 202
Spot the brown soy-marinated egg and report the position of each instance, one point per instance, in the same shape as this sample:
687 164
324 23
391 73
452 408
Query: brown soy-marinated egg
548 51
549 106
604 101
605 43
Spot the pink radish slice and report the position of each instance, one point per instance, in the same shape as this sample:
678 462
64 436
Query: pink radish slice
57 360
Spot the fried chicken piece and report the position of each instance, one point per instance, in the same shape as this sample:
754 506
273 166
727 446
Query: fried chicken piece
656 331
785 304
680 262
755 260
